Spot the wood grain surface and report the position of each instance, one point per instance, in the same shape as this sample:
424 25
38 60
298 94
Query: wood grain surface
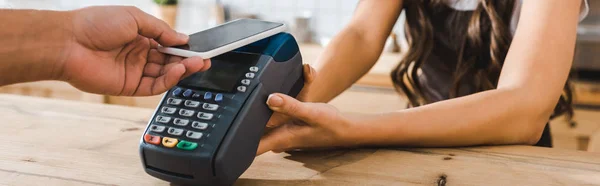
594 145
56 142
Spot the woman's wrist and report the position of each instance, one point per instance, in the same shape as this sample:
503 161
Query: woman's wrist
355 134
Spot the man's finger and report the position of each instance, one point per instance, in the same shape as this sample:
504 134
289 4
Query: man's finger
174 59
135 62
152 70
153 44
289 106
154 56
194 64
153 86
152 27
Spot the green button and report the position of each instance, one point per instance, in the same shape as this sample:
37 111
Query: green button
186 145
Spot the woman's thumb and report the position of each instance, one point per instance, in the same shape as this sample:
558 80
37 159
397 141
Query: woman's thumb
287 105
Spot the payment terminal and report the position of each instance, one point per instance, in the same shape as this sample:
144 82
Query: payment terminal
206 130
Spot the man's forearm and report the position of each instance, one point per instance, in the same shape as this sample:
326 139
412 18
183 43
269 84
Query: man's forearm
31 43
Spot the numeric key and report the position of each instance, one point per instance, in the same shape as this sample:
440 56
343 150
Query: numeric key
211 107
193 135
190 103
168 110
163 119
199 125
174 101
185 112
175 131
205 116
181 122
157 128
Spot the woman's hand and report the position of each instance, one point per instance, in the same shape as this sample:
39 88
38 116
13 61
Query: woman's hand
296 124
309 75
113 52
312 125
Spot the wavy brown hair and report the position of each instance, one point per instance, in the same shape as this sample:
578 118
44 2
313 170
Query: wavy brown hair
481 48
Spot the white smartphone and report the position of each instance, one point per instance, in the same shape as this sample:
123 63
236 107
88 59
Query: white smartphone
224 38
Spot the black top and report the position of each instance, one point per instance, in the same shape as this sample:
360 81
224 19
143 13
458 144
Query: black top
437 72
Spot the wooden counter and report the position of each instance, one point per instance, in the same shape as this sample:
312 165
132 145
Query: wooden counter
566 136
56 142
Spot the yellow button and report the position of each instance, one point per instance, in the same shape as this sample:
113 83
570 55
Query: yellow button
169 142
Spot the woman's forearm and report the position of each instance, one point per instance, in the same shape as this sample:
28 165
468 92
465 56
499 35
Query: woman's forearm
530 85
347 58
516 112
353 52
486 118
31 42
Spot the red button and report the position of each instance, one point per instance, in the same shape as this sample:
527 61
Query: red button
155 140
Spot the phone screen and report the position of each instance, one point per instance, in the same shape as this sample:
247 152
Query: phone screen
222 35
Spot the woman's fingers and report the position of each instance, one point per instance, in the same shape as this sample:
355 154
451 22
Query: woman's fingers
308 125
283 138
277 119
269 141
289 106
309 76
285 108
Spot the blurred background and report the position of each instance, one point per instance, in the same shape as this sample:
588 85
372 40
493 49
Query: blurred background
322 19
314 23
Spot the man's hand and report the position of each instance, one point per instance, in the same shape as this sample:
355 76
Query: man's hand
113 51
